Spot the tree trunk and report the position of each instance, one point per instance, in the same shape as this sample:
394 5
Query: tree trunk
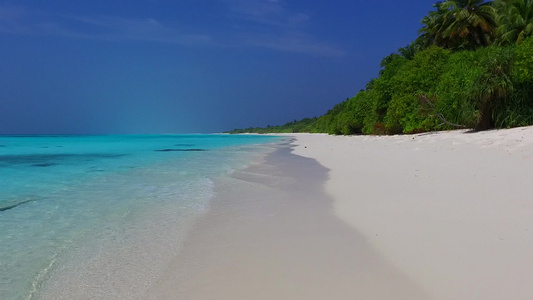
486 121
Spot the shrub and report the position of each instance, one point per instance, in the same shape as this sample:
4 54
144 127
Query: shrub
523 64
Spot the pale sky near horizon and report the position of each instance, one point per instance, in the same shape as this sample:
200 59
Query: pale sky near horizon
182 66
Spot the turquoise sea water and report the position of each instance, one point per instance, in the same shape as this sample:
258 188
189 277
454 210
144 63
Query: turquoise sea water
107 212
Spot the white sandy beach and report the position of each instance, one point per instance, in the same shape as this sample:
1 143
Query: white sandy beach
452 210
444 215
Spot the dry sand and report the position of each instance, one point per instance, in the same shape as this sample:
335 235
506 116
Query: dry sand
432 216
452 210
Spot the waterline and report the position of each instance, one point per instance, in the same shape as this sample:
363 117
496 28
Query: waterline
100 206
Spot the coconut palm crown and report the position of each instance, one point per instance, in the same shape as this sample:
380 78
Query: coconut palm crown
515 20
468 24
433 26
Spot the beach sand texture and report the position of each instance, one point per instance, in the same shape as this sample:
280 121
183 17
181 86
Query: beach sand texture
271 234
452 210
444 215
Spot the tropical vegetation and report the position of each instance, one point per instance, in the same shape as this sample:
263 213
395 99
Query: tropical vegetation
471 66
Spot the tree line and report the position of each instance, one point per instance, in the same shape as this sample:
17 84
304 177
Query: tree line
471 66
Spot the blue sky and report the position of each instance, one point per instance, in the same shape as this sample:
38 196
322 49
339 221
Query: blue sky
177 66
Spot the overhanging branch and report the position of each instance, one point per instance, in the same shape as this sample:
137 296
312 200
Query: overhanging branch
428 101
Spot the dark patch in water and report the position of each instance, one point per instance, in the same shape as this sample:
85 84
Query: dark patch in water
95 169
180 150
43 165
49 159
13 205
41 135
184 145
2 146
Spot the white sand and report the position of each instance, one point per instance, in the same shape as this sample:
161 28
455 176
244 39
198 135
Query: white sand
444 215
271 234
451 210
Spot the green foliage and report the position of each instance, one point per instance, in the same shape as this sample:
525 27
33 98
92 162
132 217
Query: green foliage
517 110
433 26
455 88
426 87
418 76
515 20
495 85
304 125
367 104
355 115
470 23
523 65
461 24
383 89
401 108
421 74
329 122
474 84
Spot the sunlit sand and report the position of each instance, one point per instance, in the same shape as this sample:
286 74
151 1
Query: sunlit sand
430 216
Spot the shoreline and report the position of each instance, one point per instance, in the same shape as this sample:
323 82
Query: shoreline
271 233
444 215
140 218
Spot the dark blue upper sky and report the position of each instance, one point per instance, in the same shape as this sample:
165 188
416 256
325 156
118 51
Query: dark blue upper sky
175 66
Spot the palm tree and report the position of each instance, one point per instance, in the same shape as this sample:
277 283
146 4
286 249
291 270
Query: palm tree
515 20
468 24
411 50
433 25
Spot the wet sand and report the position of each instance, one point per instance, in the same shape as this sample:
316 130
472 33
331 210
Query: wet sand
445 215
271 233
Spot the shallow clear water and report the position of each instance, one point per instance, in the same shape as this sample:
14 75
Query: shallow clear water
108 212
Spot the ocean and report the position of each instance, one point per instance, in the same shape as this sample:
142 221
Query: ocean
104 212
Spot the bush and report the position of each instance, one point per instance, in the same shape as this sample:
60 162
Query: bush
474 84
523 64
454 91
517 110
492 86
421 74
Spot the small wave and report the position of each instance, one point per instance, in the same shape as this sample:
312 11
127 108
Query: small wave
40 277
